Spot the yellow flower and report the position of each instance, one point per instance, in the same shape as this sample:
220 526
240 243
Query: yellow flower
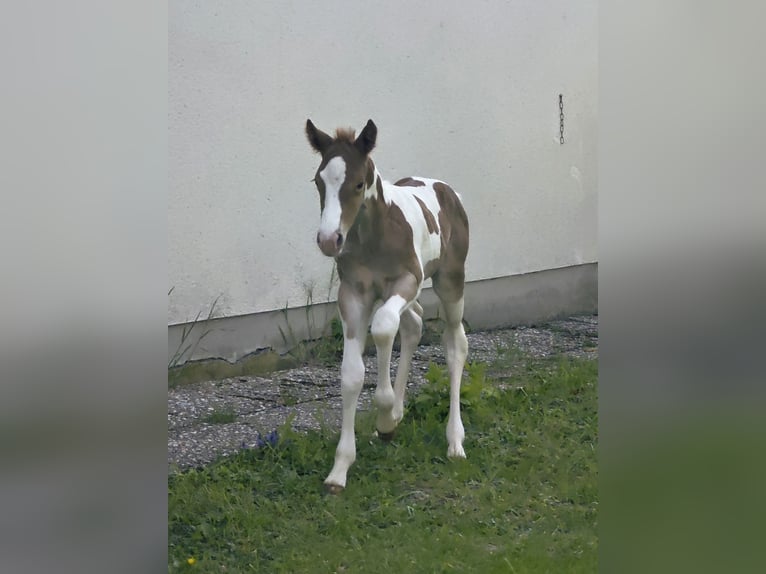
191 561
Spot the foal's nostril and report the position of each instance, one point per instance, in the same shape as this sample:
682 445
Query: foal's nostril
339 241
318 240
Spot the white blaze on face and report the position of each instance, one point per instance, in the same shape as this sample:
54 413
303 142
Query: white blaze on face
333 176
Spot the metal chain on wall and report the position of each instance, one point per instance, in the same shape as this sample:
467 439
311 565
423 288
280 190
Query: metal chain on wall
561 119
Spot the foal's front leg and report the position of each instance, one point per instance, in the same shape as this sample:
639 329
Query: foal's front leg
385 325
355 315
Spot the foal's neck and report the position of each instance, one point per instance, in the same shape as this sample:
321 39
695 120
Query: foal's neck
374 183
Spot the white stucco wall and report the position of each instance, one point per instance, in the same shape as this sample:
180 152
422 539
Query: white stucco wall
462 91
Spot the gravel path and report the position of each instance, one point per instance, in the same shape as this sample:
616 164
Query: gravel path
312 394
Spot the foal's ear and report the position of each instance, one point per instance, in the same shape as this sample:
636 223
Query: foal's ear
366 140
319 140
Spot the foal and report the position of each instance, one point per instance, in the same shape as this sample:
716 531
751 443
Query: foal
387 239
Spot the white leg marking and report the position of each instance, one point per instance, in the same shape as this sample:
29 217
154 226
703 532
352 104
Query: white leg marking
410 330
385 325
351 380
456 346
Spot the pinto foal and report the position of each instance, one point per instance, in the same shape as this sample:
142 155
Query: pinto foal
387 239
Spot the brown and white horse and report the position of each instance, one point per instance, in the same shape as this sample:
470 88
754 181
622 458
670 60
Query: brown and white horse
387 239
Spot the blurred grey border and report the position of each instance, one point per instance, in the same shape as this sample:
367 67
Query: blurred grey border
84 287
682 280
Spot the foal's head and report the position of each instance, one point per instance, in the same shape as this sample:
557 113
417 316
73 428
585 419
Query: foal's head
342 178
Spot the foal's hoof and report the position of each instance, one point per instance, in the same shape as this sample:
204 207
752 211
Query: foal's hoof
332 488
456 451
386 436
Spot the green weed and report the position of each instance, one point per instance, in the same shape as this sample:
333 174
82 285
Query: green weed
188 343
325 343
433 399
220 417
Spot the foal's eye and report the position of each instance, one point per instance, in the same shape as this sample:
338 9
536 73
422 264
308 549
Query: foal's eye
359 186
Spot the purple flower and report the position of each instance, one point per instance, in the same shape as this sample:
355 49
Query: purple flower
270 439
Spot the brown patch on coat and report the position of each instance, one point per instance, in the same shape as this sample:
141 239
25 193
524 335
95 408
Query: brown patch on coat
449 279
409 182
429 217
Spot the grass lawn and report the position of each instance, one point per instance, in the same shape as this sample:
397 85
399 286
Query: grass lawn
525 500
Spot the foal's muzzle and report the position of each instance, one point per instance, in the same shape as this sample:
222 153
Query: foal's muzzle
330 244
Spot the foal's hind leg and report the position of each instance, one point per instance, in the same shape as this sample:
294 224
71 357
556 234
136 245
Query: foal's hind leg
456 347
410 330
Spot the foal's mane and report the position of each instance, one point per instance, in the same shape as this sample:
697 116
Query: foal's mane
347 135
